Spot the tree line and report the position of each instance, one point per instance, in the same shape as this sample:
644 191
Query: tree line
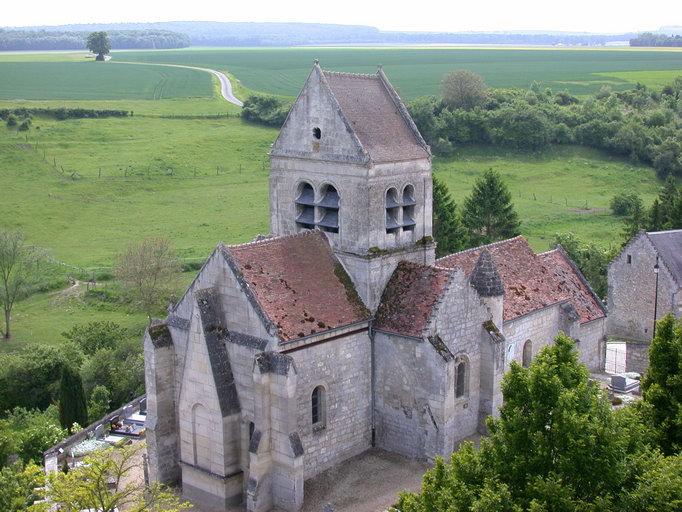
71 40
641 124
652 39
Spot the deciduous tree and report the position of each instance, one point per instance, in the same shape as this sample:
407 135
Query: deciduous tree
98 42
146 271
463 89
105 483
18 262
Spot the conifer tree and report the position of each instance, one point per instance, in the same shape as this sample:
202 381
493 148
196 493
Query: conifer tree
655 221
72 405
448 230
488 213
662 384
635 222
668 200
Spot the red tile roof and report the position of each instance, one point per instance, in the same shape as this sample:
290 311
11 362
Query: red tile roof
298 284
531 281
375 116
581 295
409 298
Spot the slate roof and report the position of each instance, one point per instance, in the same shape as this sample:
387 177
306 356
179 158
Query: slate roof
409 298
298 284
529 282
377 116
668 244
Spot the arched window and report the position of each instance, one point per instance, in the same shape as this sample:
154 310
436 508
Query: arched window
329 209
527 353
408 208
305 206
392 211
461 377
201 436
318 407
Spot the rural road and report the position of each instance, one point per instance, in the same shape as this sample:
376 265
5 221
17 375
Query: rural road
225 84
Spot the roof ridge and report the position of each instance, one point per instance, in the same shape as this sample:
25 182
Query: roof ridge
561 251
486 246
272 239
349 74
663 231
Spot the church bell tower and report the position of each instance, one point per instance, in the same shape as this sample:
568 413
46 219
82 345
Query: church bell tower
350 161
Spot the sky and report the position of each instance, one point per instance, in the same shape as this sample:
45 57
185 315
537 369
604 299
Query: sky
604 16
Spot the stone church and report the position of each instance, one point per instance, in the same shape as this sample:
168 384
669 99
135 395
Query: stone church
341 331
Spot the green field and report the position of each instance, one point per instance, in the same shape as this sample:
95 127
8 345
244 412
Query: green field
99 81
185 167
418 71
414 71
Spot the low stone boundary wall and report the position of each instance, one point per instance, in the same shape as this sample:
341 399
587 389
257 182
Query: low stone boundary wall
51 457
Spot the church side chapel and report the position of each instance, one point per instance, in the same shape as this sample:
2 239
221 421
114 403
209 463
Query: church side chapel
341 331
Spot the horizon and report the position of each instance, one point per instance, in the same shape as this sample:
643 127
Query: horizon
606 17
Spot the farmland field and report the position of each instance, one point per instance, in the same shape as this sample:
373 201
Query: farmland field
92 80
418 71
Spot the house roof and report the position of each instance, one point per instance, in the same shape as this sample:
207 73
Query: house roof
378 117
529 282
298 284
409 298
668 244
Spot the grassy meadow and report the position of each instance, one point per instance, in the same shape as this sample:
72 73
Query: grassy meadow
184 166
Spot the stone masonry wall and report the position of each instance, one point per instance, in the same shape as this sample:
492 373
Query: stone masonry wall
343 367
459 322
540 327
592 345
632 288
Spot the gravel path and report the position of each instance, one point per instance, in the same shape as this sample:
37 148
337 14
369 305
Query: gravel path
225 85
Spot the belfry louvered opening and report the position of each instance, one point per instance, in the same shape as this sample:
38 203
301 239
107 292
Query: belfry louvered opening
408 208
329 209
305 206
392 211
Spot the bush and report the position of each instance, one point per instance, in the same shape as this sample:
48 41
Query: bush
265 109
95 336
25 125
11 121
625 203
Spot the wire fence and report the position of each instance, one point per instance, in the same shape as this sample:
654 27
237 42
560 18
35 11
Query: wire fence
239 171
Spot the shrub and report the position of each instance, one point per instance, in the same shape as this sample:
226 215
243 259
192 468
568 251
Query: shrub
94 336
25 125
265 109
625 203
11 121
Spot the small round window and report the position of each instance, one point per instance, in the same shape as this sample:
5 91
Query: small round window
317 133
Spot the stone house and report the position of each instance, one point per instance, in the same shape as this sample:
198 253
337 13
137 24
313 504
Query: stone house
341 331
633 286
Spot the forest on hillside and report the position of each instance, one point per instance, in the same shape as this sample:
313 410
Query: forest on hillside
17 40
212 33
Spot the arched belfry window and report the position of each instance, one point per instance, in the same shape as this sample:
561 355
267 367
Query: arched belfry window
305 206
408 208
527 353
318 405
392 211
461 377
329 209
